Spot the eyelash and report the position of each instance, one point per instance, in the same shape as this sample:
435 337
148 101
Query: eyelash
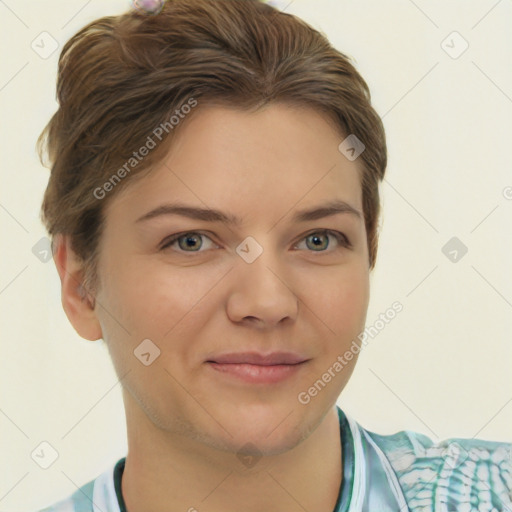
338 235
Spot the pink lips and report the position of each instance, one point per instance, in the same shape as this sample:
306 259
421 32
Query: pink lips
259 359
258 368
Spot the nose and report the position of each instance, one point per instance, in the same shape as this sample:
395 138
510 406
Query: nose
261 294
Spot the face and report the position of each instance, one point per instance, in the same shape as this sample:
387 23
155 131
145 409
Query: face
205 291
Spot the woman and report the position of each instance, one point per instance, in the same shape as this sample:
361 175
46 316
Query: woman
213 203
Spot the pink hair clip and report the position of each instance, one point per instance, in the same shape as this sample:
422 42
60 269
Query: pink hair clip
148 6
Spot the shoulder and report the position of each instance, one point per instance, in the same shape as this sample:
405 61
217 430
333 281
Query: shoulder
79 501
98 494
455 474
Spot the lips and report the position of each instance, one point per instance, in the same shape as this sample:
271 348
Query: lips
256 358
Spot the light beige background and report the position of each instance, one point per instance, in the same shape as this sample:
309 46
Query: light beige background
441 367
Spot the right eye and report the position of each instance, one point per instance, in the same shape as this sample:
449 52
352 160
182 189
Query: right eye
187 240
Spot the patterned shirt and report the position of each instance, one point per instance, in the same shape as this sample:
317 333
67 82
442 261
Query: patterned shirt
402 472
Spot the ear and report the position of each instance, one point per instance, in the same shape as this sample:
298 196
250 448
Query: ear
79 308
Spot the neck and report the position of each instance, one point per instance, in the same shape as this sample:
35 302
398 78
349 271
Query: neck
169 471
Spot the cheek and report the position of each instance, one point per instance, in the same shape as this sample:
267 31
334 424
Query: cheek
355 299
339 299
165 305
153 298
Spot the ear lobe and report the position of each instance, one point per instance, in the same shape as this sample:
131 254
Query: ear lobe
79 308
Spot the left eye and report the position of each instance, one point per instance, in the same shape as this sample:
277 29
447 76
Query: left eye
315 240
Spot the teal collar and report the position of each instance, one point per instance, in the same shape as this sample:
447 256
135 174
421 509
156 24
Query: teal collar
118 473
348 462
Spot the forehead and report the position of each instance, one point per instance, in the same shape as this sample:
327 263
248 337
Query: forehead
272 158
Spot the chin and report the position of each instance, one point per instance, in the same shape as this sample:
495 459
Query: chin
258 443
273 428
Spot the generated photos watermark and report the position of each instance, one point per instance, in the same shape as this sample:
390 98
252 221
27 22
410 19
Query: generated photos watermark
304 397
138 156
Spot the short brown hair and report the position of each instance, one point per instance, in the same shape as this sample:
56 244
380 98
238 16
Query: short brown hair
120 77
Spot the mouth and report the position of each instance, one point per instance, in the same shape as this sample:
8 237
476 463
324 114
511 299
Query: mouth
258 368
256 358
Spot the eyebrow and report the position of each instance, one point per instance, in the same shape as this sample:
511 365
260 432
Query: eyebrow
211 215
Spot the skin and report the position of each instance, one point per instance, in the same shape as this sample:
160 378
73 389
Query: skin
186 423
